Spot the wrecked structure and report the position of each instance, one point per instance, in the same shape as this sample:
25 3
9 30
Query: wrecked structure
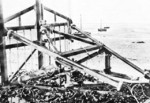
69 78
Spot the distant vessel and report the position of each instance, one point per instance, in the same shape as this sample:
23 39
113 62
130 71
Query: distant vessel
103 29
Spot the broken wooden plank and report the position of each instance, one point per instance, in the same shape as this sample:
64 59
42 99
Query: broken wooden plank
19 14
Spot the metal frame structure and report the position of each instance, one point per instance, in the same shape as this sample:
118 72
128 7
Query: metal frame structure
60 57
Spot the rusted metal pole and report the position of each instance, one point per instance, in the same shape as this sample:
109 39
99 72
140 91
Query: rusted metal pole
3 60
39 35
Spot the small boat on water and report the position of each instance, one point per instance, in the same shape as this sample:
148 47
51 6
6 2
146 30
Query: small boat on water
103 29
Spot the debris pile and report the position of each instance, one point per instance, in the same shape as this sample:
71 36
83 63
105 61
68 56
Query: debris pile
49 86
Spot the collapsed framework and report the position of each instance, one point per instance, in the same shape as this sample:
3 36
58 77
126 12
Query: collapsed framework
61 57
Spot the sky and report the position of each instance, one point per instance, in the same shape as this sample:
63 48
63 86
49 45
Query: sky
91 11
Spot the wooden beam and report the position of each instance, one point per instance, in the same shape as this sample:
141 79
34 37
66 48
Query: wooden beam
58 14
33 26
39 35
3 60
79 51
21 27
74 37
58 24
10 46
18 14
90 56
56 39
82 68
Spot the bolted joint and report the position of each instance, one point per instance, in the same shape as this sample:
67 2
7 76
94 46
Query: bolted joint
107 70
107 53
10 33
73 26
43 30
